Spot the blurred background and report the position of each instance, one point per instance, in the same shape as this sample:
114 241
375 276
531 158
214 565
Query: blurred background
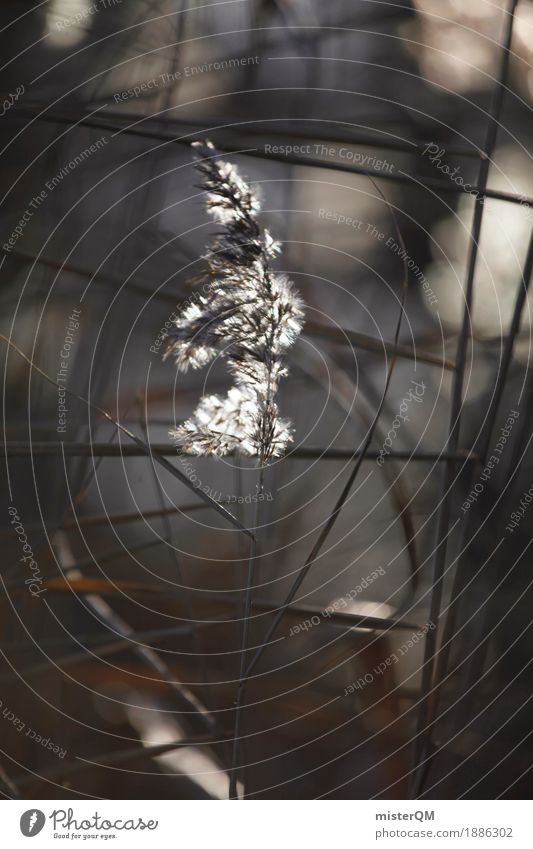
368 128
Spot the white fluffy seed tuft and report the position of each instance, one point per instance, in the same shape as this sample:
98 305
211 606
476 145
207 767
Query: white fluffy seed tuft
248 314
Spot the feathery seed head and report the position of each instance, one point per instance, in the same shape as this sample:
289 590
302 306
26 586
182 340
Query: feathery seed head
248 314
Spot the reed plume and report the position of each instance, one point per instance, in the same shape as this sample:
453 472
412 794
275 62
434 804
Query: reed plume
246 313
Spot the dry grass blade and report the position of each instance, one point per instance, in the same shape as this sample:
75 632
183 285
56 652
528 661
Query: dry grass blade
349 483
422 739
462 575
330 522
343 390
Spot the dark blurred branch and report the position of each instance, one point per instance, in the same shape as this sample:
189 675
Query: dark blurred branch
100 277
145 449
137 753
113 519
98 449
117 123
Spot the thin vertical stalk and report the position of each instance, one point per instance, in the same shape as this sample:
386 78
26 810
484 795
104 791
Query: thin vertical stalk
241 690
243 678
173 553
328 526
461 577
421 741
